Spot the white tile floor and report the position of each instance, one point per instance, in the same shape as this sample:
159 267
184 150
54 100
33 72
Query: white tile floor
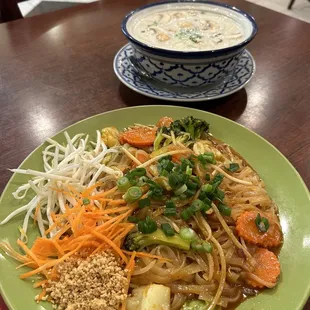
300 10
27 6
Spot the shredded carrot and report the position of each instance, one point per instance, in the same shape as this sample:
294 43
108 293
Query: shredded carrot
58 247
111 243
42 295
28 252
139 136
143 254
130 268
29 264
36 212
267 268
50 264
117 202
247 229
104 193
87 192
39 283
86 227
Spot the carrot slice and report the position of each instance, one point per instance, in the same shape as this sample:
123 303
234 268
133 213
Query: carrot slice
139 136
267 267
165 121
176 158
247 229
142 156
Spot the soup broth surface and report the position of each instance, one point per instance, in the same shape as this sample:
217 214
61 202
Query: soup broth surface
192 29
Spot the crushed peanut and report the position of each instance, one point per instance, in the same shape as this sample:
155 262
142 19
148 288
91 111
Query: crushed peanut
96 282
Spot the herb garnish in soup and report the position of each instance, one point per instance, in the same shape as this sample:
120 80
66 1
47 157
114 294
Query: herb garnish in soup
188 30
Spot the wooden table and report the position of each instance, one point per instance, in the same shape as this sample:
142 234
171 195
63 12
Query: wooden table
56 69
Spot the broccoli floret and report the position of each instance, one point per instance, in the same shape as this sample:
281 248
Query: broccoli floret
195 304
194 126
137 241
184 129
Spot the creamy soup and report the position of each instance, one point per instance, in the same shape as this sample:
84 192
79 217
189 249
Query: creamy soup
187 29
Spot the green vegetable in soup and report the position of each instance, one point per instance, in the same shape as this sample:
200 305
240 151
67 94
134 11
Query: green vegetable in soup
195 304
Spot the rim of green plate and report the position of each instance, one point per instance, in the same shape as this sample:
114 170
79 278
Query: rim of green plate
307 293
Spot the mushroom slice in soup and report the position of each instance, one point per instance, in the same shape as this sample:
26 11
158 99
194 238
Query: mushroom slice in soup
164 18
162 37
185 25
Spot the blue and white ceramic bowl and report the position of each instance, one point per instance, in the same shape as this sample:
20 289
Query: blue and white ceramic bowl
190 68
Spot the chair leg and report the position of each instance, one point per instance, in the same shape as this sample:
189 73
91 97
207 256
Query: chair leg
291 4
9 11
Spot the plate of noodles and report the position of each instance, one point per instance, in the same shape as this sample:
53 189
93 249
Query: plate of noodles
155 207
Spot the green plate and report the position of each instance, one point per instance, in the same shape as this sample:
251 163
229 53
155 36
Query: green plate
284 185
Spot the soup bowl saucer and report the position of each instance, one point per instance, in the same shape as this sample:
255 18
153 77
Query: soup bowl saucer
131 77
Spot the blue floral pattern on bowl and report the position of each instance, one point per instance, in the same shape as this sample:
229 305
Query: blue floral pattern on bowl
177 73
242 74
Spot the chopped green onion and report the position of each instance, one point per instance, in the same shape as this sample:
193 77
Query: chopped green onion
146 202
86 201
196 206
206 207
207 247
156 191
167 229
133 219
191 185
132 194
138 172
224 209
183 196
164 173
207 204
206 158
185 178
195 179
167 165
176 180
262 223
190 193
168 157
233 167
187 234
201 246
202 195
170 212
188 170
170 204
207 177
185 215
207 188
148 226
219 194
170 209
186 164
217 179
142 181
123 184
180 190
